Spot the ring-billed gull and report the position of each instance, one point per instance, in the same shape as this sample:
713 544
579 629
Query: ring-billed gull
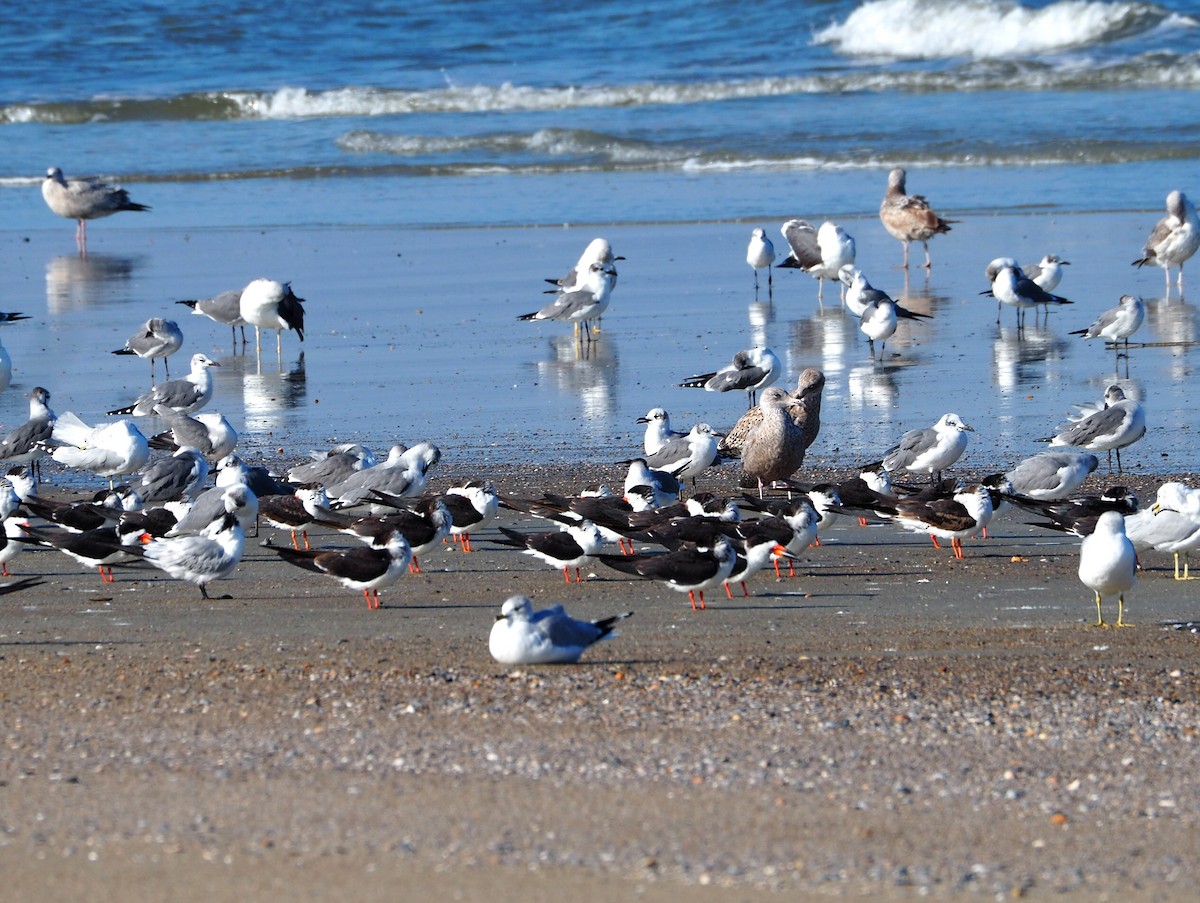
908 217
522 636
1108 564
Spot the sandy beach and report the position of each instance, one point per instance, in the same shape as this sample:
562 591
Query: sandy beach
889 724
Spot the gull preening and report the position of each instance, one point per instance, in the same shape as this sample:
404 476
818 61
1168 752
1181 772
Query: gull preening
1174 240
269 304
1052 475
760 255
751 369
908 217
157 339
819 252
522 636
108 450
83 199
1108 564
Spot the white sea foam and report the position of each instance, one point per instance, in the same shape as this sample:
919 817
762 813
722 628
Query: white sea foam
932 29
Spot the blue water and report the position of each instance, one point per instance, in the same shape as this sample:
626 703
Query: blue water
475 117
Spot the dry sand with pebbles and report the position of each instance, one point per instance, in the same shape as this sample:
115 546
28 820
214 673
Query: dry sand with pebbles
889 725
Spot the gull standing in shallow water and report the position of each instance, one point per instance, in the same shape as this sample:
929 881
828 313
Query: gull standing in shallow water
185 395
760 255
82 200
157 339
1175 238
1120 423
268 304
819 252
930 450
750 370
225 308
1108 564
1117 324
522 636
584 303
24 444
908 217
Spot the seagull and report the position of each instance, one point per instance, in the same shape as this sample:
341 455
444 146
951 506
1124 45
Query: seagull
859 293
156 339
880 318
598 251
23 444
193 516
405 473
1047 272
584 303
209 433
750 370
334 465
1171 524
1011 286
181 476
1051 475
295 512
369 570
662 487
224 308
185 395
686 457
908 217
199 559
109 450
689 570
522 636
760 254
804 408
1117 324
819 252
572 547
1108 564
1175 238
774 449
658 430
929 450
268 304
84 199
1121 423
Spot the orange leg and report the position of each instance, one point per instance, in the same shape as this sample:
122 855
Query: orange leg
295 542
775 561
306 545
5 570
956 545
745 592
728 591
414 567
567 574
466 542
936 545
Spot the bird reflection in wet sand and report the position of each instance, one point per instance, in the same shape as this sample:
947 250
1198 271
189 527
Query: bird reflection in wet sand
1023 357
587 370
270 398
1174 323
760 316
74 283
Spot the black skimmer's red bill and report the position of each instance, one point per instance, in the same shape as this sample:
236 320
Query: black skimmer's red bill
908 217
82 199
689 570
366 569
522 636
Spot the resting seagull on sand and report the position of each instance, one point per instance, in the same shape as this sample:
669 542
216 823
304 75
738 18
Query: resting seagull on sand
522 636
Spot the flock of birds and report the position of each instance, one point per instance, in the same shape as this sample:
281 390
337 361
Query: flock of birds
167 515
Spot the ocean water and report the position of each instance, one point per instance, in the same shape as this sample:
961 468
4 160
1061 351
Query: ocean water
1041 127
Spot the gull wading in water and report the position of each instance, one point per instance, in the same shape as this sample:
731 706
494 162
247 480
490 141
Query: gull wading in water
750 370
1108 564
819 252
157 339
760 255
582 304
224 308
268 304
1120 423
1117 324
84 199
908 217
1174 240
522 636
1011 286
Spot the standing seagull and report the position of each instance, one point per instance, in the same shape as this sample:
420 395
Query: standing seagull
1011 286
1047 272
157 338
1117 324
82 200
1108 563
774 449
804 408
522 636
819 252
185 395
880 318
268 304
1175 238
760 255
908 217
1119 423
209 555
929 450
23 444
225 308
583 304
750 370
598 251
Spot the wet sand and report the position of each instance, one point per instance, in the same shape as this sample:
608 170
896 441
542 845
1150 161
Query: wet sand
888 725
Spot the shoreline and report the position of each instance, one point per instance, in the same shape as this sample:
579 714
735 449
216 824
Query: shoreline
891 724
